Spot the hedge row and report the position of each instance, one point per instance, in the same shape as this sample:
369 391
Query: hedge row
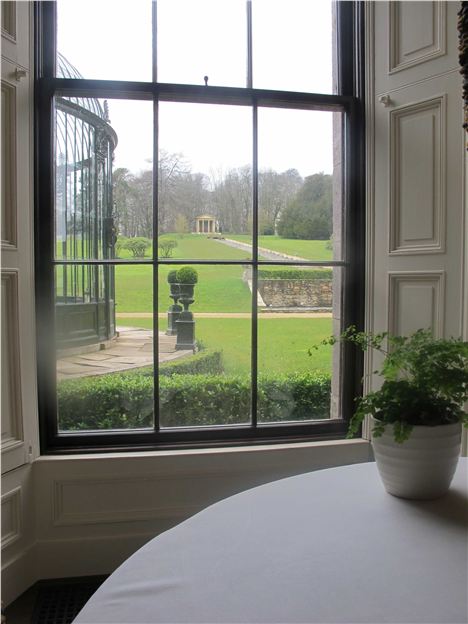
295 274
121 401
207 361
203 362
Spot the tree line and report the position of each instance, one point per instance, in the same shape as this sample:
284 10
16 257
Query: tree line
289 205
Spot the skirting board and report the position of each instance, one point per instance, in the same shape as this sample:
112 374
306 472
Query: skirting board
19 574
66 558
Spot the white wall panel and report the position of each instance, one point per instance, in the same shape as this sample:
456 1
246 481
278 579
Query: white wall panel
15 32
415 41
8 166
416 33
12 412
11 517
417 200
9 20
142 494
18 537
418 176
416 300
415 155
19 400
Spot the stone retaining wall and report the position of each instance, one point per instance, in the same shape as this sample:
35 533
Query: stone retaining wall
281 293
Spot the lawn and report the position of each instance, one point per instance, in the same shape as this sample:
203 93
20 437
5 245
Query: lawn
282 343
196 247
307 249
220 287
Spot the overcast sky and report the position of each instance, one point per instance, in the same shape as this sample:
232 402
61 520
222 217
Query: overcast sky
291 51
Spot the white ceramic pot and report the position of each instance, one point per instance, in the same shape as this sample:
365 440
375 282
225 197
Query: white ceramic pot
423 466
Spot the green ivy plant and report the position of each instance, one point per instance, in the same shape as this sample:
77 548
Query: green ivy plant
425 381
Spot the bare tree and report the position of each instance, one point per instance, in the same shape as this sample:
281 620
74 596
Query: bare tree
275 191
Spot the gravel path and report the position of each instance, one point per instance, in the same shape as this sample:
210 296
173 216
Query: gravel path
266 254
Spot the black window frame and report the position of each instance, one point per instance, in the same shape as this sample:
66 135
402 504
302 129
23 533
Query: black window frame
350 101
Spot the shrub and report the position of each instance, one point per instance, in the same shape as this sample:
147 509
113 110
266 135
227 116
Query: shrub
172 277
166 247
120 243
295 274
138 246
126 400
187 275
206 361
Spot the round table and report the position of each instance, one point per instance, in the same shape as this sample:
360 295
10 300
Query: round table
326 546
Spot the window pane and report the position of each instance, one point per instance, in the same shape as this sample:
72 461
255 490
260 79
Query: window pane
300 204
207 381
104 340
103 178
292 45
107 40
202 38
298 308
205 181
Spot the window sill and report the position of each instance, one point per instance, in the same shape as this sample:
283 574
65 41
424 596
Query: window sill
359 443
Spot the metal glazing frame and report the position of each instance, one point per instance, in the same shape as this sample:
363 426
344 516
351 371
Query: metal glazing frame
84 145
349 102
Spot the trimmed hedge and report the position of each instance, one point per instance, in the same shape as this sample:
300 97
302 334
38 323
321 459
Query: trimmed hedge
122 401
295 274
206 361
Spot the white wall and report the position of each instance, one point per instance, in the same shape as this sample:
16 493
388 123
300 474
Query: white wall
84 514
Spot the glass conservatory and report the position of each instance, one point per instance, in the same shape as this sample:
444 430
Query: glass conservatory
84 224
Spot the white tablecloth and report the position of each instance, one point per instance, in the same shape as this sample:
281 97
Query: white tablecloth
327 546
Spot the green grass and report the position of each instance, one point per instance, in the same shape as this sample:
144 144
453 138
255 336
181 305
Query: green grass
283 343
307 249
219 289
196 247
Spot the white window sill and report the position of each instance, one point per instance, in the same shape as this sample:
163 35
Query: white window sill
359 443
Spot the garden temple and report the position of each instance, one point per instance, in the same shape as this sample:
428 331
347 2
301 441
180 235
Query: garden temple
84 226
206 224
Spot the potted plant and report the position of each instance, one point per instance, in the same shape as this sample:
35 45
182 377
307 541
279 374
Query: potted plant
187 277
417 413
173 314
172 280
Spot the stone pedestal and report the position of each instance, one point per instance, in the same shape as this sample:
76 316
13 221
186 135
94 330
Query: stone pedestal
185 327
173 315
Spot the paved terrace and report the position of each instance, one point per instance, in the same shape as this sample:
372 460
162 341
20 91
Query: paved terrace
132 349
134 346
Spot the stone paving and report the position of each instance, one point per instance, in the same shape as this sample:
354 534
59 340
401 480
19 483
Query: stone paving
132 349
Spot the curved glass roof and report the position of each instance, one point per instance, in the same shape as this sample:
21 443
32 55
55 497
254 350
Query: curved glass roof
66 70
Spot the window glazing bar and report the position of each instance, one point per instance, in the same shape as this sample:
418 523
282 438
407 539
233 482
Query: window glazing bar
249 45
81 87
154 40
254 339
156 414
337 263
